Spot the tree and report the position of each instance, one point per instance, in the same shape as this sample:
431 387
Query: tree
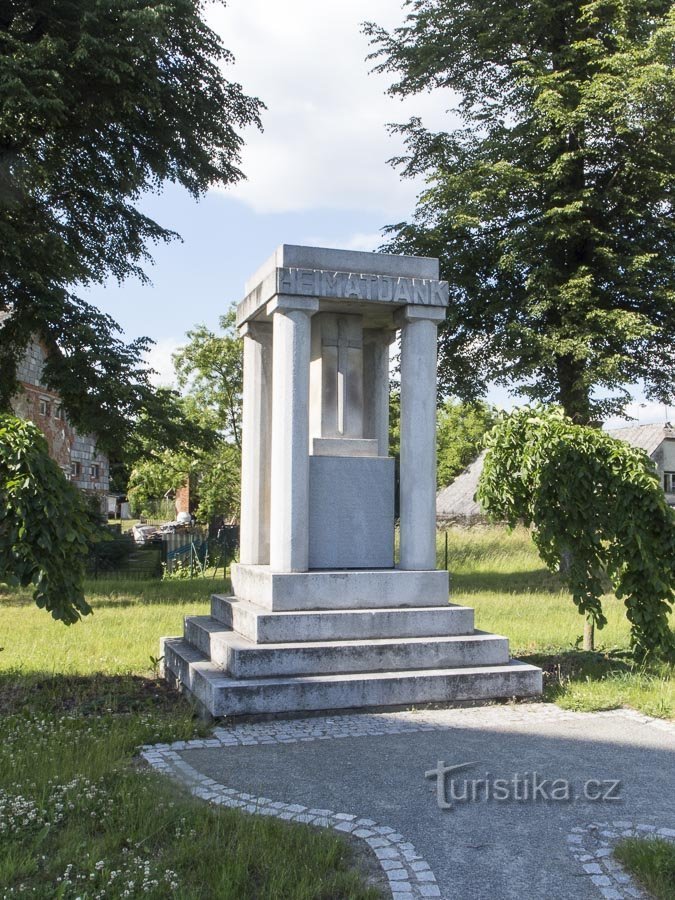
597 511
212 366
551 205
460 433
101 101
209 369
45 528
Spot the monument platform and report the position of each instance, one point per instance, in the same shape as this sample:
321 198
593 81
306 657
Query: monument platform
245 659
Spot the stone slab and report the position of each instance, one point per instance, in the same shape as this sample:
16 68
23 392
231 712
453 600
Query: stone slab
265 626
343 277
242 658
335 589
226 696
363 262
351 512
344 447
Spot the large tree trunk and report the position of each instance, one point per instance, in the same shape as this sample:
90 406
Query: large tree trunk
573 394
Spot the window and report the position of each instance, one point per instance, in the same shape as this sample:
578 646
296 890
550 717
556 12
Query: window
58 412
669 482
44 407
75 469
94 471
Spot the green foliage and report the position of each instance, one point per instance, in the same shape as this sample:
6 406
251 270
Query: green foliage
44 524
597 509
100 101
652 860
153 478
460 431
549 202
209 368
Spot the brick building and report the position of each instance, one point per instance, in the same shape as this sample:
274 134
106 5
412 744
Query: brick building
76 454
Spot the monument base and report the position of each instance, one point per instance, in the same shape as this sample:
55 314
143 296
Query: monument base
338 588
312 641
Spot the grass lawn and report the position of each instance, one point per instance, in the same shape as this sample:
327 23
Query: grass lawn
79 818
502 576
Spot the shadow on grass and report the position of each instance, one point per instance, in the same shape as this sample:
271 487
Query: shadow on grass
535 581
566 668
83 695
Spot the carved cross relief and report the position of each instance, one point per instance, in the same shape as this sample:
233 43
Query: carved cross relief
337 376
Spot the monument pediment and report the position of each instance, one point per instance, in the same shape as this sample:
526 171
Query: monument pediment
343 275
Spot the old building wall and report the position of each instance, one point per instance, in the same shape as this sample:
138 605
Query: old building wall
75 454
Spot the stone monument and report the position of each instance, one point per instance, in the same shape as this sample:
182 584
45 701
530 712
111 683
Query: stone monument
321 616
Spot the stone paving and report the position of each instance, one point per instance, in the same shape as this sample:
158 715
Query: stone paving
516 850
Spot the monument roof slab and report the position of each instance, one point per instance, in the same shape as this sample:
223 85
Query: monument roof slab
374 283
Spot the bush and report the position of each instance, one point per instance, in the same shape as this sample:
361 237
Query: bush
45 527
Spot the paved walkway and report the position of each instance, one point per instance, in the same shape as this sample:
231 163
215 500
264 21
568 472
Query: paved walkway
541 795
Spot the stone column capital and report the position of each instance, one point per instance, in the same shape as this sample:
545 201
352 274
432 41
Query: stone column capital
385 336
257 331
287 303
417 312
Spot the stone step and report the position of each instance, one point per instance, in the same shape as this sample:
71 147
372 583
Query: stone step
267 627
223 695
242 658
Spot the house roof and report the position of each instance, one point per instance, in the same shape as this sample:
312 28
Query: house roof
647 437
457 499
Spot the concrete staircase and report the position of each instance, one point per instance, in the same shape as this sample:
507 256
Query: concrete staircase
247 659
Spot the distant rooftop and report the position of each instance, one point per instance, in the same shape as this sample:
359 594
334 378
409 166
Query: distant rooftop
457 499
646 437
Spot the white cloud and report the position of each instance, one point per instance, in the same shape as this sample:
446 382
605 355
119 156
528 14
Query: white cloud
158 358
325 143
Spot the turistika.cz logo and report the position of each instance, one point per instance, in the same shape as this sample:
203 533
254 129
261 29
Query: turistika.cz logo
525 787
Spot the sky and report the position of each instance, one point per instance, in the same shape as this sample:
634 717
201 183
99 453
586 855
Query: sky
317 174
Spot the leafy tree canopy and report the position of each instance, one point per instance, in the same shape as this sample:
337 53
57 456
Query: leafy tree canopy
45 527
209 369
100 101
210 365
597 511
551 204
460 432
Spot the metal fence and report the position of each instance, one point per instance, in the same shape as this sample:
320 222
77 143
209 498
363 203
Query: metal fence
190 551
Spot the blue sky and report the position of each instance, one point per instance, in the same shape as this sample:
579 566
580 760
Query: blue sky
318 174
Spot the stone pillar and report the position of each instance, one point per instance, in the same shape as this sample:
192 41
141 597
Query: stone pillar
376 343
256 441
289 518
418 435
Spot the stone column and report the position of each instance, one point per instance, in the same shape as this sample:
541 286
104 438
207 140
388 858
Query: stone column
289 537
418 435
256 456
376 343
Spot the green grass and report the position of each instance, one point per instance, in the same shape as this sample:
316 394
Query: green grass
652 861
76 703
119 638
501 575
78 817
